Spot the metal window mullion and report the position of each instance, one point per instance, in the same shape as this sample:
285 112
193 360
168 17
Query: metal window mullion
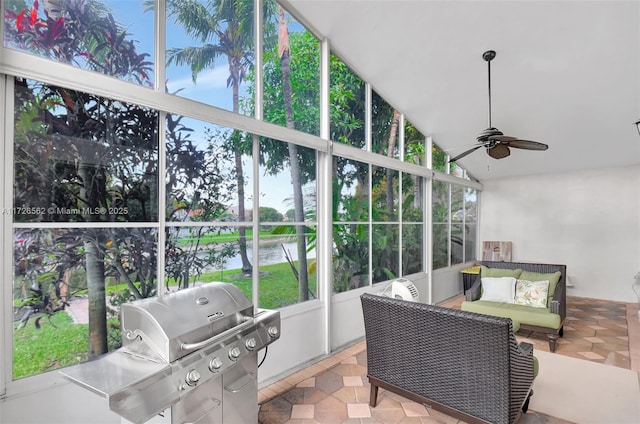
7 129
162 202
449 224
32 67
428 219
400 223
456 180
370 223
160 19
360 155
323 206
401 136
259 115
368 117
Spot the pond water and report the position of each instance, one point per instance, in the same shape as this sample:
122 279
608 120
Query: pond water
268 254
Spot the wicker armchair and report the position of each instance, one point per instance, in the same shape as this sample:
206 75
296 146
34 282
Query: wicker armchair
557 305
464 364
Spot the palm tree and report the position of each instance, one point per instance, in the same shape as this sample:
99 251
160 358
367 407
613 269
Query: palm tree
225 29
284 56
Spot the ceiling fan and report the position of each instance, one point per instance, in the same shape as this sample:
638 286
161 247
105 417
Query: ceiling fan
496 143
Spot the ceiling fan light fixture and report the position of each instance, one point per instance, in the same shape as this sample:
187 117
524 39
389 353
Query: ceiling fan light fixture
638 126
498 151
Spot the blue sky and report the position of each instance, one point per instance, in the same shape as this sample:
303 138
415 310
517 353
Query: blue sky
211 87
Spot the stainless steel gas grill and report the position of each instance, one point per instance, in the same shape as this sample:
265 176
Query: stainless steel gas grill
194 351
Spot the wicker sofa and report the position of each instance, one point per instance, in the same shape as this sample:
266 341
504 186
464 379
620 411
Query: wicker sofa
549 320
463 364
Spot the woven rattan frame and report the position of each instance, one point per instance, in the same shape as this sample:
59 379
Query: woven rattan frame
464 364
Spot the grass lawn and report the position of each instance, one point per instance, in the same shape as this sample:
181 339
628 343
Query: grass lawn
278 287
48 348
60 343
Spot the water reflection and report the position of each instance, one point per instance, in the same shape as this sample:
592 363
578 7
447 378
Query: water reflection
268 254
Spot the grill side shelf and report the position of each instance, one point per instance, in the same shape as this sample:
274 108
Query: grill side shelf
134 387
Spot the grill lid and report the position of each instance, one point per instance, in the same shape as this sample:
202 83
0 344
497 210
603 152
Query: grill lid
178 323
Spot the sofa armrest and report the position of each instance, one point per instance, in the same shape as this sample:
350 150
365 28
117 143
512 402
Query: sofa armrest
525 348
558 301
474 292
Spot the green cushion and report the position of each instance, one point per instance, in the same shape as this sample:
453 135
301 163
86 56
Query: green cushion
536 367
540 317
553 279
499 272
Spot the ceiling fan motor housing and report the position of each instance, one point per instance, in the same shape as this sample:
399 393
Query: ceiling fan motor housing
483 137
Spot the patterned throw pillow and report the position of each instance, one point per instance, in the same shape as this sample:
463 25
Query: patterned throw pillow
532 293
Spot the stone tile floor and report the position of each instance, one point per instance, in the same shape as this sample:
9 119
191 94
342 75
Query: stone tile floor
336 390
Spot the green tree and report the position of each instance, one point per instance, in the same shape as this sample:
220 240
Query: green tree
284 54
225 29
268 214
87 130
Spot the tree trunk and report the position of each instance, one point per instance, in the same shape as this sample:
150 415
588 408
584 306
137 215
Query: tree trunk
97 299
296 180
393 135
94 263
242 231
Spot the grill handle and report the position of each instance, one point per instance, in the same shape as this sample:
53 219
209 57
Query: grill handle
199 345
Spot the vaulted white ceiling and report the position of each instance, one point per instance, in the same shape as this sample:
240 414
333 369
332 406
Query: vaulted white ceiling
567 73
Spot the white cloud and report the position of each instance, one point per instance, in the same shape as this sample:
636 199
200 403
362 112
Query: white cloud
211 79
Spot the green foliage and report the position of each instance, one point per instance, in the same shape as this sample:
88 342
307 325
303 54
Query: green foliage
268 214
79 32
440 160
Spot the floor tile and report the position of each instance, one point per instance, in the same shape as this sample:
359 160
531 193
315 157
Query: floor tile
336 390
358 410
352 381
302 412
591 355
412 409
309 382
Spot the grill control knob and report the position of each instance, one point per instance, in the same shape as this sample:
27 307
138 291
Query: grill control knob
234 353
215 364
193 377
273 331
251 343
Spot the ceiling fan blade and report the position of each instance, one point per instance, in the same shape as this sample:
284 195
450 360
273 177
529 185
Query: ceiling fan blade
527 145
501 138
463 154
517 143
499 151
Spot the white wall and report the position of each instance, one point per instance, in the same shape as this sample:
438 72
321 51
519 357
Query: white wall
587 220
56 402
301 340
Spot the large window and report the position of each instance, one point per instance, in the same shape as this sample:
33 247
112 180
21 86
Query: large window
348 106
288 215
139 192
98 35
378 230
89 165
210 49
351 231
385 129
291 74
454 224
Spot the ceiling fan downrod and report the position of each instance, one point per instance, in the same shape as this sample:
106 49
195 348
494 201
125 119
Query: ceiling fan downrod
489 55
